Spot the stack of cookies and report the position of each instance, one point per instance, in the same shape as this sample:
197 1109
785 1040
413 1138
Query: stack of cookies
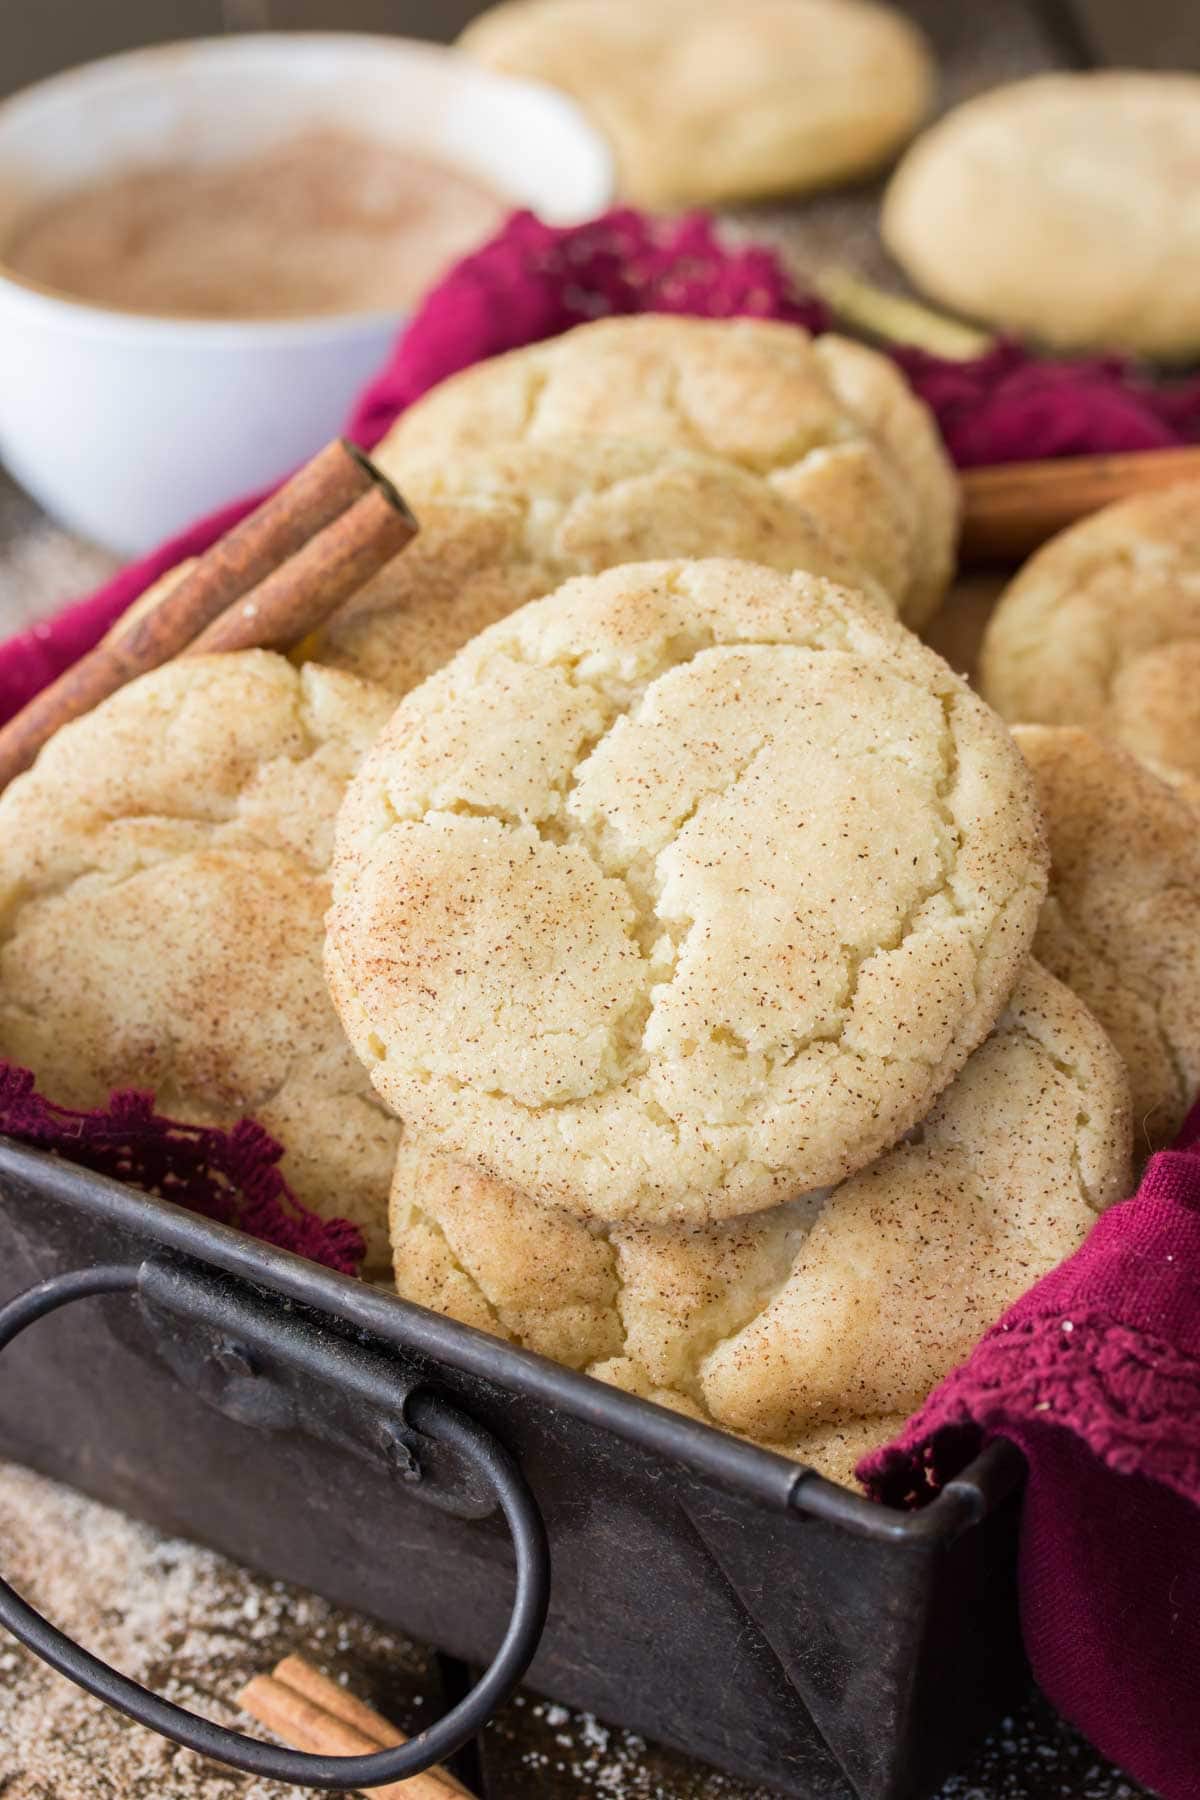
684 915
667 961
1096 646
685 919
164 870
691 997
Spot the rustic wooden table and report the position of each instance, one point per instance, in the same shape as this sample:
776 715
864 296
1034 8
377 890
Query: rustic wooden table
193 1625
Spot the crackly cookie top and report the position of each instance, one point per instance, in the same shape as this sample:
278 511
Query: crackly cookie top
163 885
681 891
704 102
832 425
1102 628
818 1325
503 526
1062 207
1121 923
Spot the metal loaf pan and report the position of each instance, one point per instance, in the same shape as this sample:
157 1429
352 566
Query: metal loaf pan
713 1596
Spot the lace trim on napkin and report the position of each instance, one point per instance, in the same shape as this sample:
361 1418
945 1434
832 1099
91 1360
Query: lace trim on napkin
230 1176
1111 1386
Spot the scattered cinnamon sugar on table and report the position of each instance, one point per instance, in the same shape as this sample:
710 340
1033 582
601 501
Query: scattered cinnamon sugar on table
179 1619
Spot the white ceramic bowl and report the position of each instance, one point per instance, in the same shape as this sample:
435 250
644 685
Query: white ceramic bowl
127 426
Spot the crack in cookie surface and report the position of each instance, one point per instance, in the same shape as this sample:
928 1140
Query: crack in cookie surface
837 1306
507 525
681 890
759 394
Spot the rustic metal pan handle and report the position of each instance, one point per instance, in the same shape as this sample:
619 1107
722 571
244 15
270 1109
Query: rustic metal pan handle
428 1413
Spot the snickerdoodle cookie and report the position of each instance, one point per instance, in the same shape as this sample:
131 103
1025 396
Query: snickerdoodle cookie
1102 628
817 1325
682 890
704 102
833 426
502 527
1063 207
1121 923
163 885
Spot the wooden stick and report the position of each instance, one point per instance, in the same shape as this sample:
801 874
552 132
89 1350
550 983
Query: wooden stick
309 1711
896 319
315 496
1011 509
304 1679
302 593
146 602
312 526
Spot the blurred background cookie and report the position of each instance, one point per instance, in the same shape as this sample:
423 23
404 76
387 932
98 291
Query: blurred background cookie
1102 628
812 1326
681 891
1063 208
505 526
163 884
832 425
703 102
1121 923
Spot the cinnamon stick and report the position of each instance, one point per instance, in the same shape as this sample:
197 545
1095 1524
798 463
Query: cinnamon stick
1013 508
301 594
313 526
304 1679
146 602
310 1712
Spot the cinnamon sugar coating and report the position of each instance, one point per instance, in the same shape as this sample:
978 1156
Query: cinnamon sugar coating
506 525
1121 923
163 885
818 1325
680 891
1102 629
832 426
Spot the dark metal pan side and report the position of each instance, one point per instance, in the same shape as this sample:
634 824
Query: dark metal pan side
708 1594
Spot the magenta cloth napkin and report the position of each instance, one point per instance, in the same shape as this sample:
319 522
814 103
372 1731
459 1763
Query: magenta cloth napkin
1095 1374
232 1176
1007 405
532 281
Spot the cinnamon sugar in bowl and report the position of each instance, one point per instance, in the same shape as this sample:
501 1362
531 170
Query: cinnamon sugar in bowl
207 248
325 221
